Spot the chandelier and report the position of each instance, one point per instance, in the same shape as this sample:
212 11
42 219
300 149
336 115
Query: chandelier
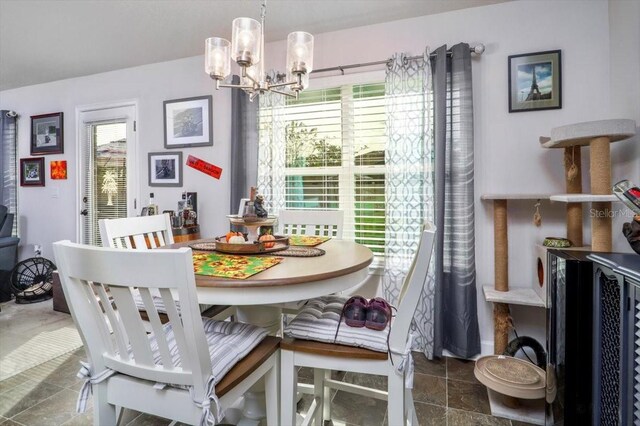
247 50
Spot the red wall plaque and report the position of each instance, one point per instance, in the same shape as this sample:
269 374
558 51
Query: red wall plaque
204 167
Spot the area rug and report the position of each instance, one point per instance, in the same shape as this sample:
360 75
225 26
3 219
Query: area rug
40 348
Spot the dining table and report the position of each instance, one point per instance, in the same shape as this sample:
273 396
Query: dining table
258 299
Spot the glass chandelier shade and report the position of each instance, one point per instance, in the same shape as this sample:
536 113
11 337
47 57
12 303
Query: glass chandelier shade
246 41
247 50
217 55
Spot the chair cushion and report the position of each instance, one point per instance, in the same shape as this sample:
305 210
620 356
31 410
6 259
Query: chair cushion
228 343
318 320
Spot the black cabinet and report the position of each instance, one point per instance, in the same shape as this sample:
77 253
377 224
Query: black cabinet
616 344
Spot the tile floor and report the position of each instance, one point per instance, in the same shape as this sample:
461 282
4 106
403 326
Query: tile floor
445 393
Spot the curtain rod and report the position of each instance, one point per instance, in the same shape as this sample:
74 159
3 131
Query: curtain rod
477 49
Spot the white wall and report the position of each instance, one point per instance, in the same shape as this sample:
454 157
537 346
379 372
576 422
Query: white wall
508 156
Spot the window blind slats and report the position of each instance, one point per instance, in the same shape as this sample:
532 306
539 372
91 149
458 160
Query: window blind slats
335 144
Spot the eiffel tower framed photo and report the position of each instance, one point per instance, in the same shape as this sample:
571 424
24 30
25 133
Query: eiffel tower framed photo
535 81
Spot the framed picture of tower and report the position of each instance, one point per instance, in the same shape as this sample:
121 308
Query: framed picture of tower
535 81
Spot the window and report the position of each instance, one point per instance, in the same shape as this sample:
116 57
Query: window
335 156
8 188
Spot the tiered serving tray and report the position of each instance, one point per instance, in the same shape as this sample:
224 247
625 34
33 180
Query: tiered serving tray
259 247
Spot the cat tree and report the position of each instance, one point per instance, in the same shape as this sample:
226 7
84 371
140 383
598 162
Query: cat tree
598 135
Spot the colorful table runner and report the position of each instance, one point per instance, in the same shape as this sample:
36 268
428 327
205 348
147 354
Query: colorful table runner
306 240
231 266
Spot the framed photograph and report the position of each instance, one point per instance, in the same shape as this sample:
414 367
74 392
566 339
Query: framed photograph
32 171
188 122
47 134
58 169
535 81
243 202
165 169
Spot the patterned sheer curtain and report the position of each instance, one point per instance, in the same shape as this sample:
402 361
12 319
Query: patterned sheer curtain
8 185
410 199
272 151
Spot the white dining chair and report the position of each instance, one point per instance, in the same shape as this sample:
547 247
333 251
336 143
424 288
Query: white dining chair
309 343
145 233
190 370
324 223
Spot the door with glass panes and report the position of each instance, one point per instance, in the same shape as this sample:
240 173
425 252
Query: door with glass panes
108 177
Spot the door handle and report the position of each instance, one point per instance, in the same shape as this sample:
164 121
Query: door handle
84 212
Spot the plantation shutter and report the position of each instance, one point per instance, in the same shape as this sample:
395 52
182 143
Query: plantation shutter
105 176
335 142
8 145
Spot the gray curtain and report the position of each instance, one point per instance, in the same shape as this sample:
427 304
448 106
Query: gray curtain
244 146
456 317
8 173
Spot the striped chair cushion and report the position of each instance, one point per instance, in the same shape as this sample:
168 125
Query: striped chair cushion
228 342
318 320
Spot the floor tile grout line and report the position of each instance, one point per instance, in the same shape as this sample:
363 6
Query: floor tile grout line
34 406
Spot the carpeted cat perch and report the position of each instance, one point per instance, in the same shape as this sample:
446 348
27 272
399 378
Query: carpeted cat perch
598 135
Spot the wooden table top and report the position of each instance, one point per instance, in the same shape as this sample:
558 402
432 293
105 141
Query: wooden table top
342 258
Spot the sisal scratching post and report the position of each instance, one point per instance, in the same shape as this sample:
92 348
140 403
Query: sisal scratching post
573 180
601 185
501 267
501 324
500 245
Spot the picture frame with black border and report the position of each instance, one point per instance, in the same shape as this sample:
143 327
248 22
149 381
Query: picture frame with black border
535 81
165 169
47 134
32 171
188 122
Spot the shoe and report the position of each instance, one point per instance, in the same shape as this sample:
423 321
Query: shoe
378 314
355 311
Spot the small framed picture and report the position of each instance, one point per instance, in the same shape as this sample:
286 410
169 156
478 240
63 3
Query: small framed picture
243 202
188 122
58 169
535 81
32 171
165 169
47 136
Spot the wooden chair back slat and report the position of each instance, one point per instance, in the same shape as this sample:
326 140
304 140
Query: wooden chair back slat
177 325
144 232
156 326
324 223
168 271
130 315
119 332
413 284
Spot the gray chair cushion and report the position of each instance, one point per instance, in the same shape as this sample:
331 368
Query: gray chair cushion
318 320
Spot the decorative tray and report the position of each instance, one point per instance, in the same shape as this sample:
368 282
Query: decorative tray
257 247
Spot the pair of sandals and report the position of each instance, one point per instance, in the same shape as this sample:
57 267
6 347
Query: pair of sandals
374 314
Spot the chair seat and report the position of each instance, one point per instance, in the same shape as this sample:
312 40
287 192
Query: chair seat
331 349
319 318
229 342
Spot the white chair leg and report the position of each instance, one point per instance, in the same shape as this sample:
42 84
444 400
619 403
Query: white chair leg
326 409
410 407
288 380
318 393
103 412
272 391
395 403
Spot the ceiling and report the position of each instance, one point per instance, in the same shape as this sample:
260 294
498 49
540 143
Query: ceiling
45 40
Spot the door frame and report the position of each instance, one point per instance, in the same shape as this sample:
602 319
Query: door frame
134 187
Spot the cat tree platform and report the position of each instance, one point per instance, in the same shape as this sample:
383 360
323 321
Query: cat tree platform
598 135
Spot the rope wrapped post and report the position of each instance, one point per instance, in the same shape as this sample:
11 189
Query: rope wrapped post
601 185
573 180
501 267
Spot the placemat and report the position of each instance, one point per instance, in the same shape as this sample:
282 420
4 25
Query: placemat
231 266
293 251
306 240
